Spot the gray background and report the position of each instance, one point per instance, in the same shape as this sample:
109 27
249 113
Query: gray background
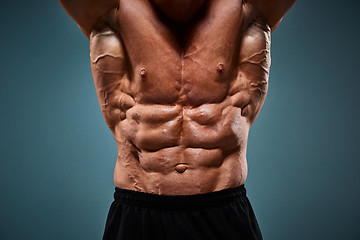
57 155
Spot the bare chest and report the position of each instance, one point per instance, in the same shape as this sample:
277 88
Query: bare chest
163 64
147 61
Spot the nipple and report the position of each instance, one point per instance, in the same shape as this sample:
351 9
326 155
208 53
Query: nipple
143 73
180 168
220 67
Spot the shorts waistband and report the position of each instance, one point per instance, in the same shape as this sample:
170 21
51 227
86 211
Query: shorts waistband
142 199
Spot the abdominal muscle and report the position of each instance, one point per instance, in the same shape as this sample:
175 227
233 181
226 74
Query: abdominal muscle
180 150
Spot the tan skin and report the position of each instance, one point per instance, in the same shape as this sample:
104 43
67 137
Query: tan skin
179 83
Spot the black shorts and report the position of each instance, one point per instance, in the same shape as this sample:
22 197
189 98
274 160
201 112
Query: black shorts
225 215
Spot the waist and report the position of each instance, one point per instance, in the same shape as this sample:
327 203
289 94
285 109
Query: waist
194 201
180 176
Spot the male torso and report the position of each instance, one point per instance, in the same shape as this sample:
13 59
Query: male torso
179 87
180 99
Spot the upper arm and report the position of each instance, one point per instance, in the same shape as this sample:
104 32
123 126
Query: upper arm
87 13
272 10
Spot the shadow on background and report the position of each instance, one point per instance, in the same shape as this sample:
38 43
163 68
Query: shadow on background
57 155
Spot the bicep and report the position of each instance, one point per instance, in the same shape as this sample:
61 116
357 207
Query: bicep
272 10
86 13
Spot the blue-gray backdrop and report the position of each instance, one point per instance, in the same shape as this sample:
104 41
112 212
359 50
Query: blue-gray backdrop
57 155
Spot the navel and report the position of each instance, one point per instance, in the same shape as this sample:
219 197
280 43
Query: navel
180 168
